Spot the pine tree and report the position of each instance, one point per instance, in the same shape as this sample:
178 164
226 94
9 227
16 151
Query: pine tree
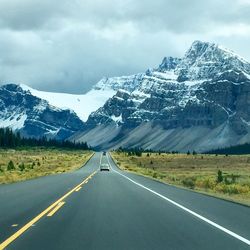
21 166
10 166
219 176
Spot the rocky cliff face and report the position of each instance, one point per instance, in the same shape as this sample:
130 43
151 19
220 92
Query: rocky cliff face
200 101
34 117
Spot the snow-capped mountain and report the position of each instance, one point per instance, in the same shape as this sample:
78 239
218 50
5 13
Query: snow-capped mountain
34 117
200 101
29 118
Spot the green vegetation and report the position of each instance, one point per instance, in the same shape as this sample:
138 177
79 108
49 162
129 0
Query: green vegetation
9 139
10 166
218 175
18 165
233 150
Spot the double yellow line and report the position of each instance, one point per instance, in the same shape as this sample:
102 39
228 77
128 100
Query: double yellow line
55 206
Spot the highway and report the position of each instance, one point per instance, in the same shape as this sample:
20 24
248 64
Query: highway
89 209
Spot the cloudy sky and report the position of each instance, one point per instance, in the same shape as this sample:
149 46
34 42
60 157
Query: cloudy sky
68 45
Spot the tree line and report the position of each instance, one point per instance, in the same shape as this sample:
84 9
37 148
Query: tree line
10 139
232 150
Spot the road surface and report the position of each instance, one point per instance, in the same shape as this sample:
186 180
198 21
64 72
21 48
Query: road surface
89 209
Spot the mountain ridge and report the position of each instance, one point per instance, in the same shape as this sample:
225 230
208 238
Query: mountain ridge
35 117
197 102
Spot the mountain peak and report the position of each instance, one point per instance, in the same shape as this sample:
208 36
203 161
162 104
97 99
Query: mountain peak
197 49
206 60
212 51
12 87
168 63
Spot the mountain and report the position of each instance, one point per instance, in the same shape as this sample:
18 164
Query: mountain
35 117
197 102
38 113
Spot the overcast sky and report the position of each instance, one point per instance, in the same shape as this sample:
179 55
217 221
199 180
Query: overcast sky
67 46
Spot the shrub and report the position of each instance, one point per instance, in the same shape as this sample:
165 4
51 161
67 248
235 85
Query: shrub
232 189
231 179
21 167
10 166
154 175
226 181
189 182
162 176
205 183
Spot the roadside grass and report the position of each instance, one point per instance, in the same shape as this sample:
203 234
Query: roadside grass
197 172
28 163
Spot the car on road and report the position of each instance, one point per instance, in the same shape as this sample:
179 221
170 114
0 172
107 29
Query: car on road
104 153
104 167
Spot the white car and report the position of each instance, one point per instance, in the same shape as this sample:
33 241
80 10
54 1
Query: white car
104 167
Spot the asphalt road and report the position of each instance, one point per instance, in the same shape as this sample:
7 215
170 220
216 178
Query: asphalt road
89 209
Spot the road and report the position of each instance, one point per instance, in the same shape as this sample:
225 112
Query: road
89 209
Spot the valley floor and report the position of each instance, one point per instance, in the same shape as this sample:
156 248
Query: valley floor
24 164
197 172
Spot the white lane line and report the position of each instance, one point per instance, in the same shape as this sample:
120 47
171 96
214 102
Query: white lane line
227 231
100 161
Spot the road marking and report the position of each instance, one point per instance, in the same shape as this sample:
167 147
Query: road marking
59 205
225 230
100 161
78 189
39 216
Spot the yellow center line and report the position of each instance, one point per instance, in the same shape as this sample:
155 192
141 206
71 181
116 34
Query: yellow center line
78 189
56 208
39 216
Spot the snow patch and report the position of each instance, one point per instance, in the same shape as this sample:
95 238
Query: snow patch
83 105
167 75
116 119
14 122
194 82
233 54
244 121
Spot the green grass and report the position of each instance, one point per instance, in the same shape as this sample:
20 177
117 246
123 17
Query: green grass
196 172
35 162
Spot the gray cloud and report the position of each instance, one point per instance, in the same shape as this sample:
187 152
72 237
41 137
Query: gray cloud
69 45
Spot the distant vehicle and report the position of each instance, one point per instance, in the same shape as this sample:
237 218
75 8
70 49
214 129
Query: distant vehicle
104 167
104 153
